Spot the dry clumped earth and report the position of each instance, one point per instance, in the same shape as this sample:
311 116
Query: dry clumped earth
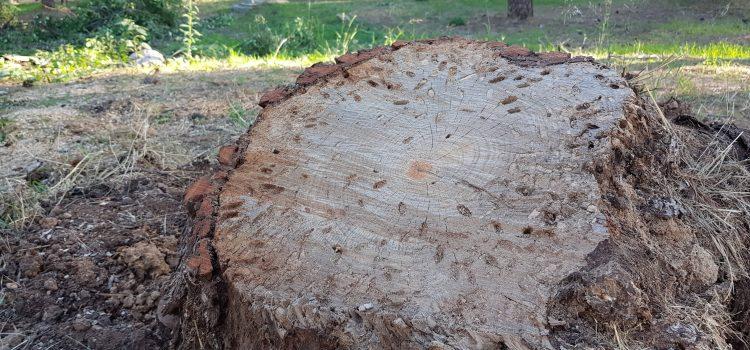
94 172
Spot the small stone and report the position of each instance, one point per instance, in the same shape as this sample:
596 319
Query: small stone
436 345
140 299
51 313
30 265
684 332
591 209
81 325
84 294
146 56
365 307
128 301
399 323
50 285
48 222
11 285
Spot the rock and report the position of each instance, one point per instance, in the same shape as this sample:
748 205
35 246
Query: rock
81 325
146 56
128 301
246 5
84 294
17 58
50 285
704 269
140 299
146 259
30 265
665 207
49 222
51 313
12 340
86 272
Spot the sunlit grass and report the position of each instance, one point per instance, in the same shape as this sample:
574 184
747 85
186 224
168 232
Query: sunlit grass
239 61
709 54
28 7
225 34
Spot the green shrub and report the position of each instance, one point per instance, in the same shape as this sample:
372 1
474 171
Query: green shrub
300 35
147 13
261 39
457 22
190 35
7 14
109 47
158 16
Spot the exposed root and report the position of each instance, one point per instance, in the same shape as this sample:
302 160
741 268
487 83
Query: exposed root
679 199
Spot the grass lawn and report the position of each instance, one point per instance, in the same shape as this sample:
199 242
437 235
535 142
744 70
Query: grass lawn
706 45
622 27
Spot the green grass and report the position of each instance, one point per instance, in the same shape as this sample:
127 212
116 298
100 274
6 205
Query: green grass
241 118
712 40
5 129
302 31
28 8
726 29
712 53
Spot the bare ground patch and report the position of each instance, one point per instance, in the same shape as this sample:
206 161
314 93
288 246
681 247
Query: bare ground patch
92 179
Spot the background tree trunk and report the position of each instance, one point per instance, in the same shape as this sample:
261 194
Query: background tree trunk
520 9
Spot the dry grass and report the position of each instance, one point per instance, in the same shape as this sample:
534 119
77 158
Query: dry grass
715 93
119 159
719 199
713 187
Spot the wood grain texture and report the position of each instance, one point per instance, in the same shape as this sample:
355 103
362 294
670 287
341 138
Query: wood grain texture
429 196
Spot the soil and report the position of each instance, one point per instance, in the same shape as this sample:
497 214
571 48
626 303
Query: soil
87 267
90 272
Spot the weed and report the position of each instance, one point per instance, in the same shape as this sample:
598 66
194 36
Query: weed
604 27
241 117
164 118
457 22
7 14
215 22
190 34
38 186
393 34
5 129
261 39
346 33
685 85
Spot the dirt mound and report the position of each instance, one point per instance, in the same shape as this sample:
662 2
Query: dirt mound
90 274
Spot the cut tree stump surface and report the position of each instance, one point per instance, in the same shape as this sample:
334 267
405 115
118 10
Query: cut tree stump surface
431 194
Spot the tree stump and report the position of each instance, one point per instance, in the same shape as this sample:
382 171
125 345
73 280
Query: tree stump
434 194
